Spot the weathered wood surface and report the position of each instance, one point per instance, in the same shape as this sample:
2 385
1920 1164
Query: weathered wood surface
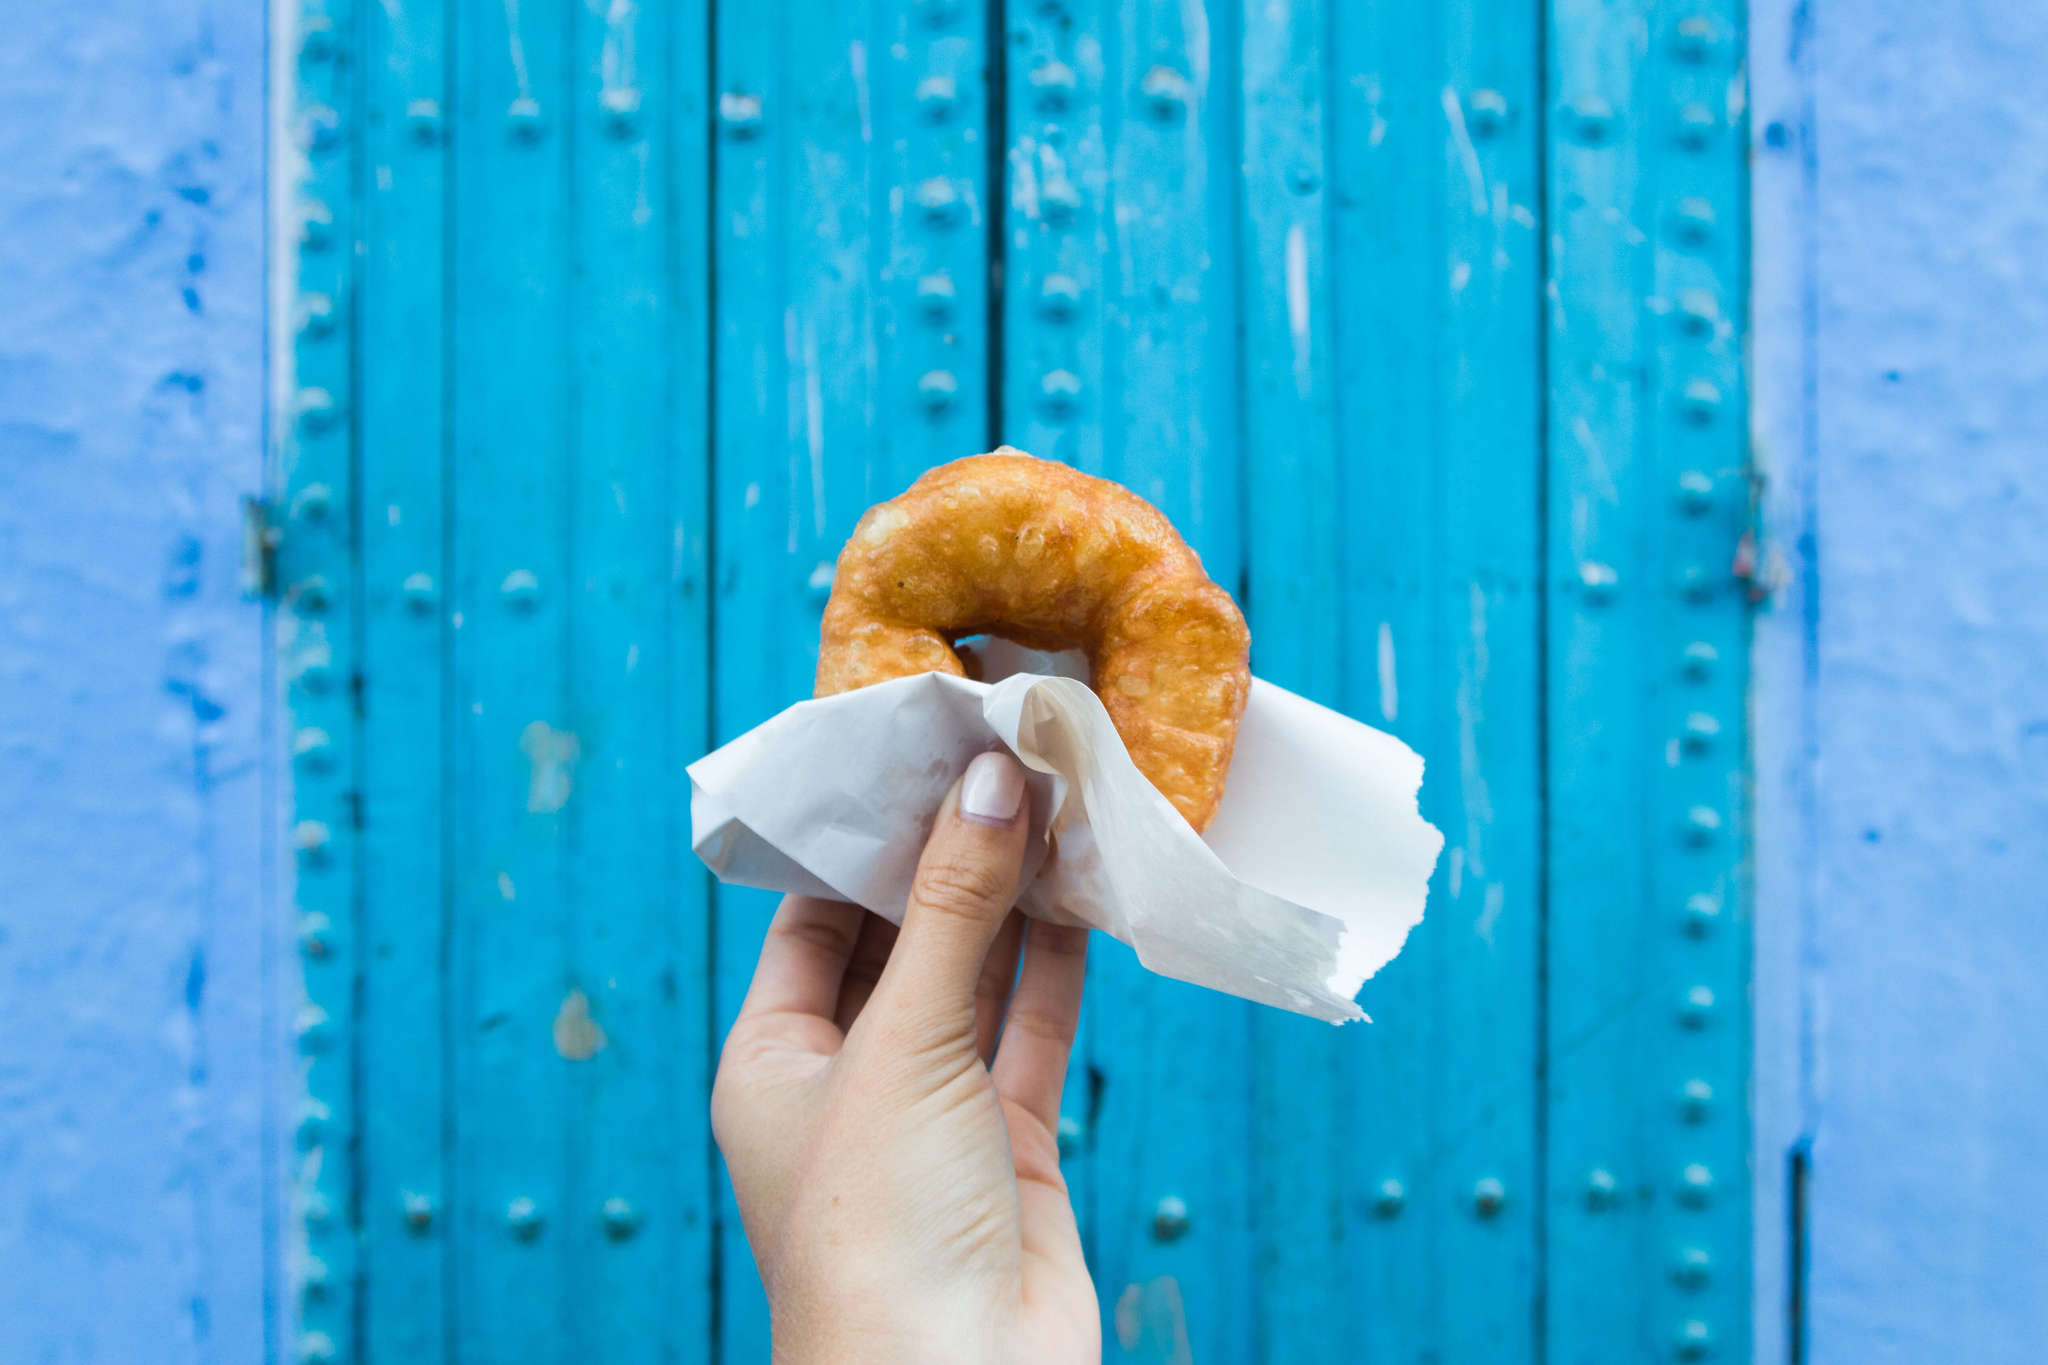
603 323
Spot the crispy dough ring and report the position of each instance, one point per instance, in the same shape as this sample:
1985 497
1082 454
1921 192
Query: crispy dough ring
1036 552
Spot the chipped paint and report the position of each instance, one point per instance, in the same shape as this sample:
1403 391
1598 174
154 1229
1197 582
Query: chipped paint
1468 155
552 755
577 1036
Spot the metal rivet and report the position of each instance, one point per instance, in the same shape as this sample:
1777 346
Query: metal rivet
937 95
740 113
1060 390
418 1211
1696 123
939 200
1054 82
1598 580
1693 221
1695 1100
1058 295
524 116
1695 38
1701 910
1700 658
1166 90
1592 119
313 750
1304 179
1702 823
310 837
316 935
313 1278
316 1212
316 38
1695 490
316 410
312 1125
1696 584
1701 730
316 229
1693 1341
935 292
1699 400
312 503
1489 112
309 595
1170 1219
1069 1135
319 128
1698 311
313 1030
621 1219
819 584
1696 1010
418 592
1389 1198
522 1217
937 388
1059 200
1601 1188
621 108
1690 1267
316 674
316 315
424 118
1488 1197
1695 1184
520 589
316 1348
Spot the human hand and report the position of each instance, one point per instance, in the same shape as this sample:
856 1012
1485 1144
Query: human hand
901 1192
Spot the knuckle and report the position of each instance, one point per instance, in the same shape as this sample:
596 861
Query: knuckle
967 887
1065 941
1043 1026
821 935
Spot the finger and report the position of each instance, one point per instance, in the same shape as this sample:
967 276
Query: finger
965 884
1038 1036
864 969
992 989
803 958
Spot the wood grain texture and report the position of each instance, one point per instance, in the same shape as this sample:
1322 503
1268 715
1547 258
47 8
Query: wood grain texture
1649 500
402 568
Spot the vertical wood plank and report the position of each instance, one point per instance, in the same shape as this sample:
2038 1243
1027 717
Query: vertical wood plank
402 425
631 1028
1648 503
515 755
1399 1161
318 623
850 236
1120 332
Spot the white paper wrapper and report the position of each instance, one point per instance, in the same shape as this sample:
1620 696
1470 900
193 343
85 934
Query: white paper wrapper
1305 884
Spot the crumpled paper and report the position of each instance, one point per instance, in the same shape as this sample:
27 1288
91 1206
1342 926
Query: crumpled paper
1305 884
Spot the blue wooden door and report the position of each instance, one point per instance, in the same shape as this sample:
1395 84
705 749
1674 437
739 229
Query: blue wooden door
601 321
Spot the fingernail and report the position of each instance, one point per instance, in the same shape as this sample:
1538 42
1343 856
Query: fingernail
993 790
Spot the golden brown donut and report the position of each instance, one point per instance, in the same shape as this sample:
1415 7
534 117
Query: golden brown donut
1036 552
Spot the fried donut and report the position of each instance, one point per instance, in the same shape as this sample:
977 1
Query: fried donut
1051 558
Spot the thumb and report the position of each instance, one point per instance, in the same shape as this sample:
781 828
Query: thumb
966 883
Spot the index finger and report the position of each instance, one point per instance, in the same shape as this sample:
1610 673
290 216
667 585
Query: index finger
803 958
